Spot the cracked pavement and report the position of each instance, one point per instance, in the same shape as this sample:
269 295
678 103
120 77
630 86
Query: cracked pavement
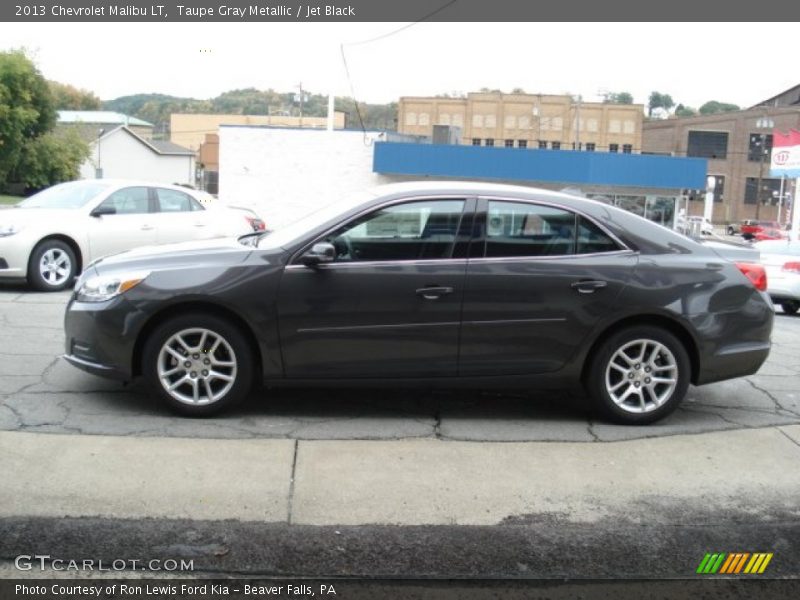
39 392
324 482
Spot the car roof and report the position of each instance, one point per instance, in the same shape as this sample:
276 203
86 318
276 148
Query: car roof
466 187
133 182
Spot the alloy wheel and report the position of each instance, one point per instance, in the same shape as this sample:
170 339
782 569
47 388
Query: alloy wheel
55 267
197 366
641 375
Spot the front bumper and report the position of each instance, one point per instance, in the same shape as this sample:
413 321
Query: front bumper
100 337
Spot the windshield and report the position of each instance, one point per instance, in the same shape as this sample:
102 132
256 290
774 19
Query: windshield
74 194
285 235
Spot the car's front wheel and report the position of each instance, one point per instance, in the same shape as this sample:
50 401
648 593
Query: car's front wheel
52 266
731 230
198 364
639 375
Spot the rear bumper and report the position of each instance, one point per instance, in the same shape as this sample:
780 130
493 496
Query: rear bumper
734 361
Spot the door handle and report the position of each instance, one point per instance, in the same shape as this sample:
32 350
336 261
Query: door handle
434 292
147 227
588 286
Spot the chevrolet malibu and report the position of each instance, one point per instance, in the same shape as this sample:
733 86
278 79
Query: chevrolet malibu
429 284
47 238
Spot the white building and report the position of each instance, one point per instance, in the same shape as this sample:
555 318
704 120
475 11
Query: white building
121 154
285 173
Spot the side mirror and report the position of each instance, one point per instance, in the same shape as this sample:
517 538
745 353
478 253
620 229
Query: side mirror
103 210
322 252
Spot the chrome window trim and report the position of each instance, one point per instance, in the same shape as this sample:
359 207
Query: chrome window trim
624 249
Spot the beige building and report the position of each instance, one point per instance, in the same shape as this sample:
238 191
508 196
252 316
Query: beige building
189 130
527 121
732 144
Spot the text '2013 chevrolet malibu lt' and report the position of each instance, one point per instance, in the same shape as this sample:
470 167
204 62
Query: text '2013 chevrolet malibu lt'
446 284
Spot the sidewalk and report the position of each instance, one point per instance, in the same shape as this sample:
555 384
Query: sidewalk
408 482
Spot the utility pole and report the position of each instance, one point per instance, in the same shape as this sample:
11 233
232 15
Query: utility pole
300 85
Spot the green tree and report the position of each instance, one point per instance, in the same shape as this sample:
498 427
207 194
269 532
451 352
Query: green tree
26 108
618 98
51 158
68 97
659 100
684 111
712 107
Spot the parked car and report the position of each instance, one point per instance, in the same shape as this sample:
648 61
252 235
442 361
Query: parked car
751 227
692 225
49 237
781 258
769 234
449 284
733 229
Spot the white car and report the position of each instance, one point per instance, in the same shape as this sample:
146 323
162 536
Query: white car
695 225
781 260
52 236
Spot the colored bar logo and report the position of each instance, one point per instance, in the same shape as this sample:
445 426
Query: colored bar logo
734 563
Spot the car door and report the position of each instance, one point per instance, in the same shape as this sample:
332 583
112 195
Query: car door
180 218
128 222
539 278
388 306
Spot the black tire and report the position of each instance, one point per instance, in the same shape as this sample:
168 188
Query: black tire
61 257
625 412
233 348
731 230
790 307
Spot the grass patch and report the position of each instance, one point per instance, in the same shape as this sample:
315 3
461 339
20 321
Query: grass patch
10 199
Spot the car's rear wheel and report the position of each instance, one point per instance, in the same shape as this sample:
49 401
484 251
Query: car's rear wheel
790 307
52 266
639 375
731 230
198 364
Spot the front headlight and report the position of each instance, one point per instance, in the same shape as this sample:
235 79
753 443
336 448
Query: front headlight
6 230
104 287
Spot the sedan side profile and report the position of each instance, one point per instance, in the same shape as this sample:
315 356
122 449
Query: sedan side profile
429 284
49 237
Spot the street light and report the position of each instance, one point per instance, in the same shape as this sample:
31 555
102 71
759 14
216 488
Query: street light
762 123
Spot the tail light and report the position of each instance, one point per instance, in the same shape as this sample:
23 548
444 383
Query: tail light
794 267
755 273
256 223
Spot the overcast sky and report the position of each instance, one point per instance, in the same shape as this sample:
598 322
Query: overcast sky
741 63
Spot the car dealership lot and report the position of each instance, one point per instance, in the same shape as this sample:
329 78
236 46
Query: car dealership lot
419 472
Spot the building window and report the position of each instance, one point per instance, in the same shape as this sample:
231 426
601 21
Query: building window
556 145
510 122
444 119
770 189
627 148
590 147
613 147
707 144
557 124
477 121
522 143
424 119
476 141
542 145
577 146
411 118
719 188
614 126
509 143
755 150
490 141
524 123
628 127
490 121
458 120
591 125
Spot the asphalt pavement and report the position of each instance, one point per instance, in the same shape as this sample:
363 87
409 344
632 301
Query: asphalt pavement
391 483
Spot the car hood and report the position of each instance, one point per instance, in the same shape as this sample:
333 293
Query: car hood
25 216
217 252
